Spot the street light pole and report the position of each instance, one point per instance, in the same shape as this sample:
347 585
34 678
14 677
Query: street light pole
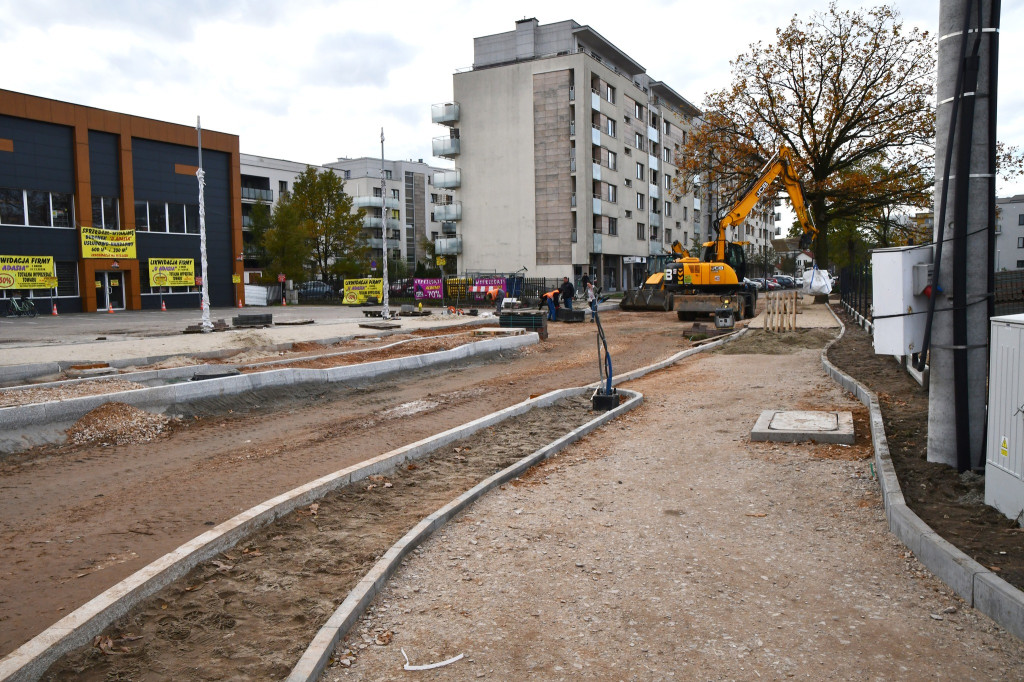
385 314
206 325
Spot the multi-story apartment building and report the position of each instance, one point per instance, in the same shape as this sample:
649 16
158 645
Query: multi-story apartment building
1009 233
404 204
564 150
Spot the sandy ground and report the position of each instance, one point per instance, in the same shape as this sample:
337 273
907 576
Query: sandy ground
668 546
665 545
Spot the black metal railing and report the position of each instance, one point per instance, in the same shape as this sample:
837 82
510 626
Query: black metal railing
855 287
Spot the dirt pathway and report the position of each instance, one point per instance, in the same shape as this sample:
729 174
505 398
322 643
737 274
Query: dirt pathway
668 546
77 519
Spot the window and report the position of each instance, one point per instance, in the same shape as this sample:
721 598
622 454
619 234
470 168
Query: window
433 198
613 226
1020 264
641 231
612 160
654 233
668 128
157 217
12 207
611 193
1020 219
668 209
282 186
654 177
654 205
629 183
668 235
62 209
640 201
638 111
629 214
668 181
638 141
684 213
192 218
176 218
141 216
609 127
394 194
666 155
67 277
1020 242
639 171
609 93
387 175
104 213
377 191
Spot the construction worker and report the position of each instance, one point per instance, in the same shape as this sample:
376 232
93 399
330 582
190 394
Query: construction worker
496 295
551 298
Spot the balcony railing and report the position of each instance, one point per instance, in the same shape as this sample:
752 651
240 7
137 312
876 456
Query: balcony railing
448 229
445 114
256 194
446 146
448 247
655 219
447 179
377 223
374 202
452 211
376 243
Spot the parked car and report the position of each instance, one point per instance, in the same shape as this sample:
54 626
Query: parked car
404 288
785 281
315 291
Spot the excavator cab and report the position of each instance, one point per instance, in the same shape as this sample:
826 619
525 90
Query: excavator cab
735 258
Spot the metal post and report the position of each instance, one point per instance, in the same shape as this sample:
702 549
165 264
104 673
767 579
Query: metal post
385 314
207 326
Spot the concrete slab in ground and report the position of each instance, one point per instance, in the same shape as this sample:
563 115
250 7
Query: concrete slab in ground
799 425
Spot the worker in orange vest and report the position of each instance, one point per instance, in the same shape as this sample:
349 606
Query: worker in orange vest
496 295
551 298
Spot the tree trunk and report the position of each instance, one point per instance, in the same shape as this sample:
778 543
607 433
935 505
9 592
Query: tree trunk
821 242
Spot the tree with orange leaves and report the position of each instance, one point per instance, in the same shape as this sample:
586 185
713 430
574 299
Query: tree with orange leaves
850 92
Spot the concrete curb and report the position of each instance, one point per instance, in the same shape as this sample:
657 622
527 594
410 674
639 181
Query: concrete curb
977 585
26 425
31 660
316 657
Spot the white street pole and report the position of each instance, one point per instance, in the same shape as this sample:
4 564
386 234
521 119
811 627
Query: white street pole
385 314
206 324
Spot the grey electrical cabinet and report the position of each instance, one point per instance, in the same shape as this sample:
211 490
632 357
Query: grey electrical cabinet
1004 461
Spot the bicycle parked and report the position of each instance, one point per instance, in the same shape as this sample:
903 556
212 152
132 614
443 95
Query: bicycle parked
20 307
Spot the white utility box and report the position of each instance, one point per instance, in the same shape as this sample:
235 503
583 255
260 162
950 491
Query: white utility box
1004 447
899 306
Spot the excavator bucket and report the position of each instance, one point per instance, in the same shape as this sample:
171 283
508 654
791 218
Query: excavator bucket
646 299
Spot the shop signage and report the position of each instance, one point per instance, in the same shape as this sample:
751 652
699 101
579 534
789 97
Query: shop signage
27 272
100 243
172 272
358 290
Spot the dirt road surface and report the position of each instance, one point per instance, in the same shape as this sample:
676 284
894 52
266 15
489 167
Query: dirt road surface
79 518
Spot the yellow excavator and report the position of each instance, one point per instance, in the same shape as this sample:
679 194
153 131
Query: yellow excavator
702 286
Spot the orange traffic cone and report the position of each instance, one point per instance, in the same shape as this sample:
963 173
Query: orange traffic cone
283 302
110 308
240 303
55 310
163 306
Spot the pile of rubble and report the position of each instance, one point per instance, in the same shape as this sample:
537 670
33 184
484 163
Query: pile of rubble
118 424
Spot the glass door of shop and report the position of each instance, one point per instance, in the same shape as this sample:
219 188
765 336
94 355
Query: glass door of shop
109 291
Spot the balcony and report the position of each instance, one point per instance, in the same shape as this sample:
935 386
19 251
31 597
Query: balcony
445 114
654 191
572 128
377 223
374 202
652 134
655 219
448 179
595 135
655 248
448 229
448 247
376 243
453 211
597 206
446 147
256 194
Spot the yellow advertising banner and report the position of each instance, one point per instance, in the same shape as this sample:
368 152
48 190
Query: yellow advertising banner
358 290
100 243
172 272
27 272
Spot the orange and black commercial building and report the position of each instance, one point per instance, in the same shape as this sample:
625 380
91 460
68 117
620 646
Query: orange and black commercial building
88 198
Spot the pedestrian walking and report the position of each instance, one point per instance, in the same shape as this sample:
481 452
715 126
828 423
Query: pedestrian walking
567 290
591 299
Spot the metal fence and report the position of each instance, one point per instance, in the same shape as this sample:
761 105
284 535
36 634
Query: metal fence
1009 292
855 287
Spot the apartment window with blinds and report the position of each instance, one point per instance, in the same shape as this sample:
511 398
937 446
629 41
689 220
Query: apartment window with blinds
641 231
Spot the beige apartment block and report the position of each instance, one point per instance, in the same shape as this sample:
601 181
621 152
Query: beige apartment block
564 151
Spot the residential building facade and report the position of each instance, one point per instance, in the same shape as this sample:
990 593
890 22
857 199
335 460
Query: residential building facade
404 206
1009 244
95 195
564 152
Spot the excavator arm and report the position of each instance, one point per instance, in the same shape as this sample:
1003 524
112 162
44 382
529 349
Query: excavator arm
779 165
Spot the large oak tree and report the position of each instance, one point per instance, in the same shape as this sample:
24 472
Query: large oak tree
850 92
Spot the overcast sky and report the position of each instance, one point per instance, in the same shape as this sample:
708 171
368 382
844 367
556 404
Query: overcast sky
317 80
